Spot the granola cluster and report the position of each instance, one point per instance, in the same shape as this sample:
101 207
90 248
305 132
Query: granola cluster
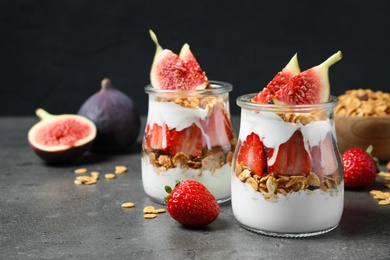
272 185
196 102
210 160
304 118
363 102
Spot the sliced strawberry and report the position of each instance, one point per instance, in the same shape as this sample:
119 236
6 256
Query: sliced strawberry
252 154
218 128
189 141
157 137
292 157
324 158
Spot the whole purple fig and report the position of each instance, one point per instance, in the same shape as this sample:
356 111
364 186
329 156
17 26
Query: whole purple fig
115 116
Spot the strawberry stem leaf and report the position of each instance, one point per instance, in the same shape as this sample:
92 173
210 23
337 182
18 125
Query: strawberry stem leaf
375 159
369 149
168 189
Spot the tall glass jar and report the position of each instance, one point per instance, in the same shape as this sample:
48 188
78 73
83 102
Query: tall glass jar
287 174
188 135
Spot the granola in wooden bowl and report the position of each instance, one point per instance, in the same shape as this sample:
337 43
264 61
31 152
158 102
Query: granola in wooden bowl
362 117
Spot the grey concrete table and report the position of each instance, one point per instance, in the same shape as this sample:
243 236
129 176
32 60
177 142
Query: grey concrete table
44 215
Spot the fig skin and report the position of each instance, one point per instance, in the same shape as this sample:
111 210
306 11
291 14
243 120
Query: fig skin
115 116
60 153
64 156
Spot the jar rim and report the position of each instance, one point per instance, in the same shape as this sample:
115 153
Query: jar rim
245 102
217 87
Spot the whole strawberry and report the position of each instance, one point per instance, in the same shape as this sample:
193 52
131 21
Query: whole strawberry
360 167
191 204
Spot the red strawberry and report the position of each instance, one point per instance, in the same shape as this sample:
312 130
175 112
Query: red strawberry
252 154
218 128
292 157
189 141
191 204
157 137
360 168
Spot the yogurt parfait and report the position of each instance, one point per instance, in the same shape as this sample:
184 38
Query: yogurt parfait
188 134
287 176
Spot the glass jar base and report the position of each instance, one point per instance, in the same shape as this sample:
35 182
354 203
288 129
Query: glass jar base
289 235
221 201
161 201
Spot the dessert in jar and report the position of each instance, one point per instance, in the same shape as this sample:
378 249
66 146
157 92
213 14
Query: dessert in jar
287 175
188 134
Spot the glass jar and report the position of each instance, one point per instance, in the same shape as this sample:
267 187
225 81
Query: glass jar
188 135
287 173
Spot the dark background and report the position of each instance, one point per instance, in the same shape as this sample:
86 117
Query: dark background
54 54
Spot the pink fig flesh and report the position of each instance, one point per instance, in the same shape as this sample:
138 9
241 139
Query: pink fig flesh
282 78
310 86
173 72
61 138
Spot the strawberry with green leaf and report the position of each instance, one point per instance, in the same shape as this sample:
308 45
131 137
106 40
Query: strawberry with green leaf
360 167
191 204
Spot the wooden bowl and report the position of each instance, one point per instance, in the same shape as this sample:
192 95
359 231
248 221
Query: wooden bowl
355 131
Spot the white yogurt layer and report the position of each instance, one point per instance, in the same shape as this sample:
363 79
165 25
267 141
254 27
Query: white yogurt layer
273 131
173 115
297 212
154 182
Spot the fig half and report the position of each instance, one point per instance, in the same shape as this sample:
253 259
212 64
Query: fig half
61 138
172 71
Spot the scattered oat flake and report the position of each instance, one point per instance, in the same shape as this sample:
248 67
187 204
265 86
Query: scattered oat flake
383 197
149 209
80 170
120 169
78 182
109 176
160 210
90 182
95 174
128 205
83 178
384 174
384 202
150 216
